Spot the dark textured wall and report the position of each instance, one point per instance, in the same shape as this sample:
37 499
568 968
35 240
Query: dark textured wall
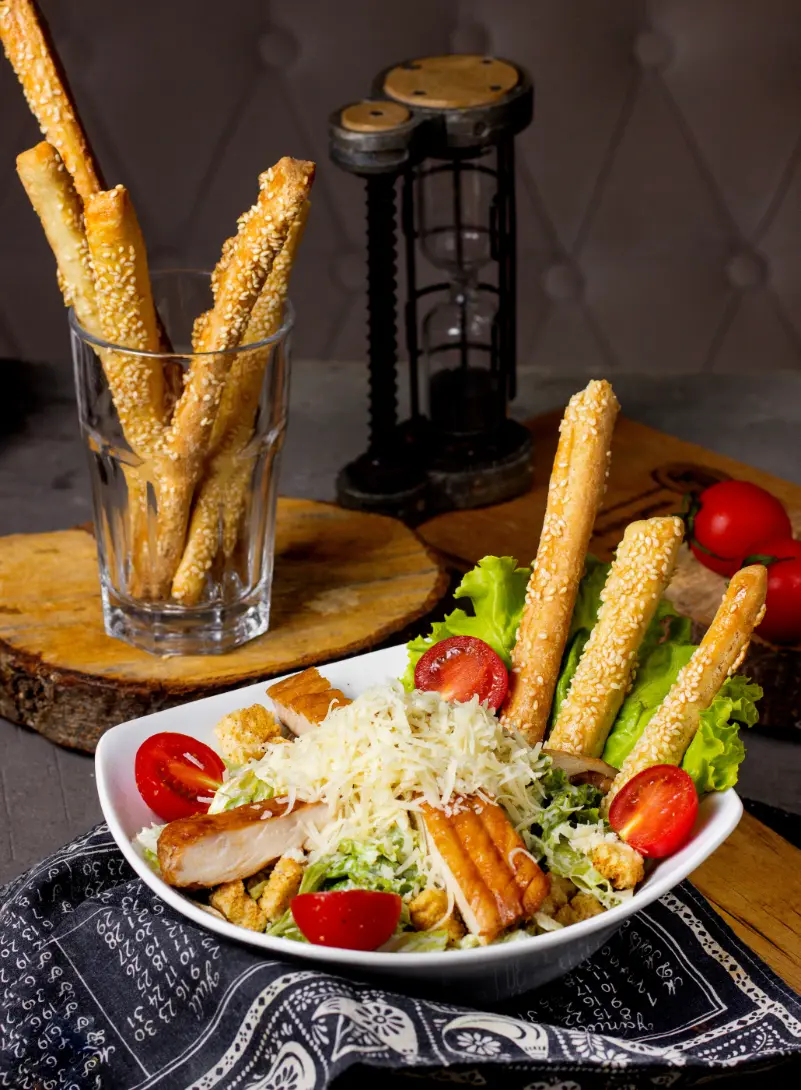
660 195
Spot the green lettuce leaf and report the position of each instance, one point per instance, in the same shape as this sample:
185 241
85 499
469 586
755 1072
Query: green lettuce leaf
370 864
417 942
570 661
716 753
654 679
569 807
496 588
241 789
588 599
585 614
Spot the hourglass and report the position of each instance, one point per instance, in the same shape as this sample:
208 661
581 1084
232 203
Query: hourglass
444 128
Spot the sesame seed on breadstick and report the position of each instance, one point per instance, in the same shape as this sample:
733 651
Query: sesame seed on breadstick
237 283
641 570
224 487
263 230
127 316
673 725
577 485
56 202
36 67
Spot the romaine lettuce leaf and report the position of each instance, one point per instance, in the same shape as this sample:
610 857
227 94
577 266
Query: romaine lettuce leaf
716 753
654 679
570 661
496 587
370 864
569 823
417 942
588 599
241 789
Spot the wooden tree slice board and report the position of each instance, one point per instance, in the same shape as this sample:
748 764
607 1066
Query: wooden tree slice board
344 581
650 473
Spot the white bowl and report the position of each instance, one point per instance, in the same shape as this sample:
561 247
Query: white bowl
484 974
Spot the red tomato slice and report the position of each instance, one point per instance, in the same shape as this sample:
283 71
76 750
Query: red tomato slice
355 919
177 775
656 810
733 518
462 667
782 620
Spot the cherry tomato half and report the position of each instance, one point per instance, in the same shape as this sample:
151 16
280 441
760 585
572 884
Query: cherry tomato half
656 810
462 667
355 919
177 775
782 620
733 518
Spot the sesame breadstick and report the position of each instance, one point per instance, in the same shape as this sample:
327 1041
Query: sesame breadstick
641 570
35 65
673 725
237 283
243 387
57 204
577 485
262 232
127 316
224 488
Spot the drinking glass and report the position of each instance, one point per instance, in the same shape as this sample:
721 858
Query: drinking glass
185 540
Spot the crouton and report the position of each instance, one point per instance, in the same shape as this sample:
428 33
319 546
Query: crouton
428 910
562 889
620 863
582 907
236 904
245 734
282 885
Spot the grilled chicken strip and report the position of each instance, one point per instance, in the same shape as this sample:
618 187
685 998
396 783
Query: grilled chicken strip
495 883
209 849
304 700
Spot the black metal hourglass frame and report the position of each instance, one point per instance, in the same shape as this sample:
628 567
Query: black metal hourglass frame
466 452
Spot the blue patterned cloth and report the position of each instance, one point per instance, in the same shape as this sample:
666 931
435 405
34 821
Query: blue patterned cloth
102 985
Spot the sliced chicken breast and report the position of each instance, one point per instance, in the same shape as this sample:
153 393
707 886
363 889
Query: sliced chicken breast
209 849
473 898
303 701
533 883
495 882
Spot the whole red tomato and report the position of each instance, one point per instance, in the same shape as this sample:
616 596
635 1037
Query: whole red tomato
733 518
782 620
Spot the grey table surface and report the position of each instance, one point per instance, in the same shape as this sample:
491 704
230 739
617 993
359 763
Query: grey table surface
47 794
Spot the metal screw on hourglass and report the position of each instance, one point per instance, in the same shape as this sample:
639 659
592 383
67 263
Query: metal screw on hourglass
441 130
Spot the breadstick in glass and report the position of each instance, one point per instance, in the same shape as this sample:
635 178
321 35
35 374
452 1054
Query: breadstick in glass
56 202
673 725
36 67
237 283
127 316
641 570
577 485
224 487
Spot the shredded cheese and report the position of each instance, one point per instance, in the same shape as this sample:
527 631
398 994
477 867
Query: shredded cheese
377 760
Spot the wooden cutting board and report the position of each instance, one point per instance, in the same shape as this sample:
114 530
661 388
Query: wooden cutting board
649 475
344 581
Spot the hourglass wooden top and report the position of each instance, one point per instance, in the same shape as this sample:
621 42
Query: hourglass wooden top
344 581
456 81
374 116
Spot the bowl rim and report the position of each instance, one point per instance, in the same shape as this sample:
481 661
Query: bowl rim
726 812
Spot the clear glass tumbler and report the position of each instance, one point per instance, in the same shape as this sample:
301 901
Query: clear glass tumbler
184 517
